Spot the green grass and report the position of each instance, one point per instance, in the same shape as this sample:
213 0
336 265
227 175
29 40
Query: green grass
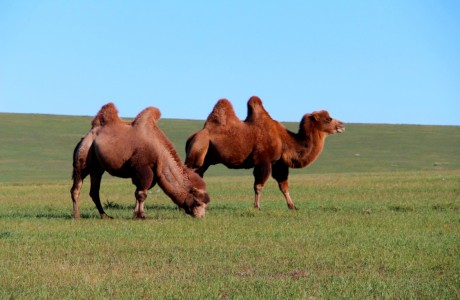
384 224
380 236
39 147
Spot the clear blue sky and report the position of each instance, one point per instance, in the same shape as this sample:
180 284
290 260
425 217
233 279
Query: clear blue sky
364 61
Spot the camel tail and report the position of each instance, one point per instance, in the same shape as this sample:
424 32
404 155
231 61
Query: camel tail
196 149
75 160
74 171
82 155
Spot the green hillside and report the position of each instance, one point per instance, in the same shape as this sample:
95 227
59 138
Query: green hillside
39 147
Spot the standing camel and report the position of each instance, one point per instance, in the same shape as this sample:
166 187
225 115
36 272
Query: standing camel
259 142
138 150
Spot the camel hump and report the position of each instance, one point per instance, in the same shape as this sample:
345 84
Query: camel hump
149 115
108 114
222 113
256 110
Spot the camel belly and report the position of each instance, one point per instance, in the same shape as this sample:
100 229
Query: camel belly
231 157
124 172
112 157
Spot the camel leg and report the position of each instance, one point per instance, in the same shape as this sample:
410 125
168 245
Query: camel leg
283 186
94 193
201 170
280 173
139 212
75 192
143 180
261 174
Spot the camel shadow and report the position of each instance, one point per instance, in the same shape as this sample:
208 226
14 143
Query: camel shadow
153 210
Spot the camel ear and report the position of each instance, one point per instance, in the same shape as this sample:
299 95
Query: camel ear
200 195
314 116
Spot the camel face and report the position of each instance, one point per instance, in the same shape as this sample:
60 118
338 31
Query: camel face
323 121
199 202
199 211
197 199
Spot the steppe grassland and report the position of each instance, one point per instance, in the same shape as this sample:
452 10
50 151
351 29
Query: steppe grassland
378 218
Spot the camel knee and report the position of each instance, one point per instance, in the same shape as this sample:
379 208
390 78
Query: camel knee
258 191
139 212
140 195
75 194
258 188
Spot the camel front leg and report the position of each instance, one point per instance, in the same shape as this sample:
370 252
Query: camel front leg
280 173
261 174
139 212
143 180
283 186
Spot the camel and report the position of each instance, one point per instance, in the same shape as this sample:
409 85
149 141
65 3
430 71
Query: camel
259 142
138 150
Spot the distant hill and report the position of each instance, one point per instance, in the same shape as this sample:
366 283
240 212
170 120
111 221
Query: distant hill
35 147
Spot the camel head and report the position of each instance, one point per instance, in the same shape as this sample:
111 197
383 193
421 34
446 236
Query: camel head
322 121
197 198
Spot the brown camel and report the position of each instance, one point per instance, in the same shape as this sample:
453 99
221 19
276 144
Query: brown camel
259 142
138 150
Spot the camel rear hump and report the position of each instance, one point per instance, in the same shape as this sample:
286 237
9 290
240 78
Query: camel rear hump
256 110
150 115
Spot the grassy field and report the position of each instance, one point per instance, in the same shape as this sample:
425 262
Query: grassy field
378 218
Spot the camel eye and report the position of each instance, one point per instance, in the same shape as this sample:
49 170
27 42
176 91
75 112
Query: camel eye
328 120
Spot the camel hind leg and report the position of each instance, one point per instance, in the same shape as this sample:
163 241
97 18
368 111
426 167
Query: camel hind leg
78 176
261 174
81 156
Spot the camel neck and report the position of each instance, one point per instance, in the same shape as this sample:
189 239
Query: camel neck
316 145
173 178
304 147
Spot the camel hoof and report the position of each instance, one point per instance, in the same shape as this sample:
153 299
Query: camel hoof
139 216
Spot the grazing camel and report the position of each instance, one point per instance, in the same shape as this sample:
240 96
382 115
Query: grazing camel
258 142
138 150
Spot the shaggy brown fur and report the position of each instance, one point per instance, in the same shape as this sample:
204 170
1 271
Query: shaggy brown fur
138 150
258 142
